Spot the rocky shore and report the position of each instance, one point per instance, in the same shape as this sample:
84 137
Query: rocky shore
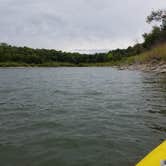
149 67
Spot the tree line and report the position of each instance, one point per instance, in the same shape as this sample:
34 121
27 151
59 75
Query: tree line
155 37
10 53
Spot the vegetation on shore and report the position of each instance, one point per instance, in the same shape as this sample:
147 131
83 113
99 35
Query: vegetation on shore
154 55
152 49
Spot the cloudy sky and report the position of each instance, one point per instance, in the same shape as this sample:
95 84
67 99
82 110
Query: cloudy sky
75 24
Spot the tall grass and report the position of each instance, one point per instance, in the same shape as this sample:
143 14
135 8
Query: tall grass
156 54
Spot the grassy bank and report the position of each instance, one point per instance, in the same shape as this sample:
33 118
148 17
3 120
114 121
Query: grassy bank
51 64
58 64
155 55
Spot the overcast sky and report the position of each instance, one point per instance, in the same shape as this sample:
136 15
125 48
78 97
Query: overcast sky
75 24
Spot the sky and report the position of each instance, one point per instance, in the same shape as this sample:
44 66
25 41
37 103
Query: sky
75 25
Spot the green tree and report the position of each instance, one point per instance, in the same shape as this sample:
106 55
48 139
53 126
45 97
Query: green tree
158 16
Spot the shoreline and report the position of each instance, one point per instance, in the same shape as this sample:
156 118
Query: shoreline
157 68
153 66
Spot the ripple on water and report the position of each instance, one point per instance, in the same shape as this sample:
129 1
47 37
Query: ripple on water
79 116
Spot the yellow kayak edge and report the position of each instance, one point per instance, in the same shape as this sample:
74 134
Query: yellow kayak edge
155 158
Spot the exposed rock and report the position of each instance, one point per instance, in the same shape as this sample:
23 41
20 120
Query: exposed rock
152 66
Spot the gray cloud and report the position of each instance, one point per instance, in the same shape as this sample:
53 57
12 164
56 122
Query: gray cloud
74 24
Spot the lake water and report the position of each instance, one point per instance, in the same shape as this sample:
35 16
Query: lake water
79 116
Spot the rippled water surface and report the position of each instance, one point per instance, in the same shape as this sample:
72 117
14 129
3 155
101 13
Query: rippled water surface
79 116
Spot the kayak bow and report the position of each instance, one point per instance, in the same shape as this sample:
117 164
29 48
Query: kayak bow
156 158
